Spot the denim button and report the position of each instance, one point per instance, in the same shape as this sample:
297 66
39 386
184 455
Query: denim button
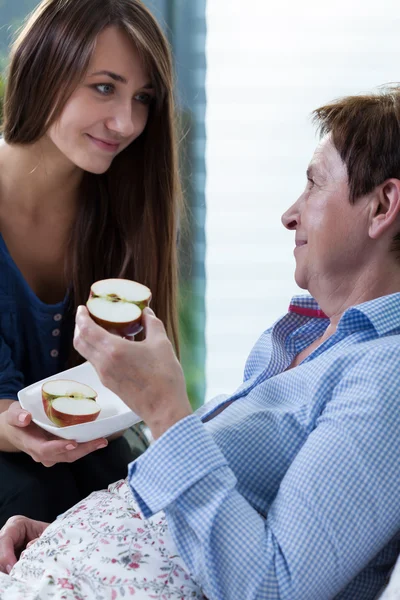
55 332
57 317
54 353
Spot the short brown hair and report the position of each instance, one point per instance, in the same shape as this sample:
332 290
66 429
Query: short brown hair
365 131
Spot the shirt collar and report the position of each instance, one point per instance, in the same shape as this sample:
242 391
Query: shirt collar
307 307
383 313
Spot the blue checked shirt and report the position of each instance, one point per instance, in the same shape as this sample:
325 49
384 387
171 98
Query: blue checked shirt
292 491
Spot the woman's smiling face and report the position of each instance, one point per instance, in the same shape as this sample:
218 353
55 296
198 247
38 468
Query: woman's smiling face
331 232
110 107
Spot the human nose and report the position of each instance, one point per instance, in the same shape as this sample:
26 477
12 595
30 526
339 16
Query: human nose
122 121
291 217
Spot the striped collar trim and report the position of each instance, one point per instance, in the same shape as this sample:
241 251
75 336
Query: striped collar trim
314 313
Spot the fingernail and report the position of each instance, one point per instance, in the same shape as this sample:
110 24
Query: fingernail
70 447
149 311
101 446
8 568
22 417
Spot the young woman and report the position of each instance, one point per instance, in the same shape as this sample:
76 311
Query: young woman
88 190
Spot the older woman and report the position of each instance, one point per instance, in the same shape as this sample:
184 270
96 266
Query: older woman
289 487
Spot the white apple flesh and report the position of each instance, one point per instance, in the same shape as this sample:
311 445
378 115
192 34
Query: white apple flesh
69 411
74 391
117 305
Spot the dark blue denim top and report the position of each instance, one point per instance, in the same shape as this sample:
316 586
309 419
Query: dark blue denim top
35 338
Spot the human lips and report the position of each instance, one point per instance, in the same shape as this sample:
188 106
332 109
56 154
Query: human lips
299 244
107 145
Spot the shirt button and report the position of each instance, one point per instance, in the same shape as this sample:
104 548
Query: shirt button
57 317
55 332
54 353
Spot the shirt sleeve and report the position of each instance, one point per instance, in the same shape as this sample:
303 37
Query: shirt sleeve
11 379
336 508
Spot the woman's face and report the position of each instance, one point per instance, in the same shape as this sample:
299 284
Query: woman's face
332 240
110 107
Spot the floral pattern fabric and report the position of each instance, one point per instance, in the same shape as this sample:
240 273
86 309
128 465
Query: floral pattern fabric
102 549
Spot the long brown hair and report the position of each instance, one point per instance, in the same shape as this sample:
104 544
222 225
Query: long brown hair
127 218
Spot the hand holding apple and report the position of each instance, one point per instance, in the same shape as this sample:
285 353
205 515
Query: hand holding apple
146 375
15 536
43 447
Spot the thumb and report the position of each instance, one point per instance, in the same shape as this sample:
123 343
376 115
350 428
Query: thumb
17 416
151 324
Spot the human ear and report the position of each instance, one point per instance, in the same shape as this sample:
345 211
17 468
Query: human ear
385 207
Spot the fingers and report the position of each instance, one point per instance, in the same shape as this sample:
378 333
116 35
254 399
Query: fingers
82 450
50 450
88 329
13 537
35 528
40 445
98 346
152 326
90 338
17 416
55 451
7 553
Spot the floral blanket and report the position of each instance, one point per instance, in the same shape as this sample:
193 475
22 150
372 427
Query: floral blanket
102 549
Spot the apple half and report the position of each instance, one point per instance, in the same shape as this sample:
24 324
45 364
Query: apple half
117 305
67 411
68 402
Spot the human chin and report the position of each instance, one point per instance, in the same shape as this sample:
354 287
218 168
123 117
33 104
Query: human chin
300 278
91 160
95 169
88 162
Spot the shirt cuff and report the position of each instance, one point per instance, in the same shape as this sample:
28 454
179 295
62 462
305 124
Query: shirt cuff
177 460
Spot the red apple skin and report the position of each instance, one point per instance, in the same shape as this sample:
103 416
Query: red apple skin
47 400
63 420
46 406
123 329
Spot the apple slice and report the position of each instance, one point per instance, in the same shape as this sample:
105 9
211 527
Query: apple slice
66 411
65 388
117 304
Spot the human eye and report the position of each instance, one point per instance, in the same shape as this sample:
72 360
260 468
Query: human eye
144 98
105 89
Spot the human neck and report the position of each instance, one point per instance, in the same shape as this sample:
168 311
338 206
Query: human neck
37 178
335 297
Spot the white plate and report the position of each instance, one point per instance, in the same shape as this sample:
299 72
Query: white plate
114 416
